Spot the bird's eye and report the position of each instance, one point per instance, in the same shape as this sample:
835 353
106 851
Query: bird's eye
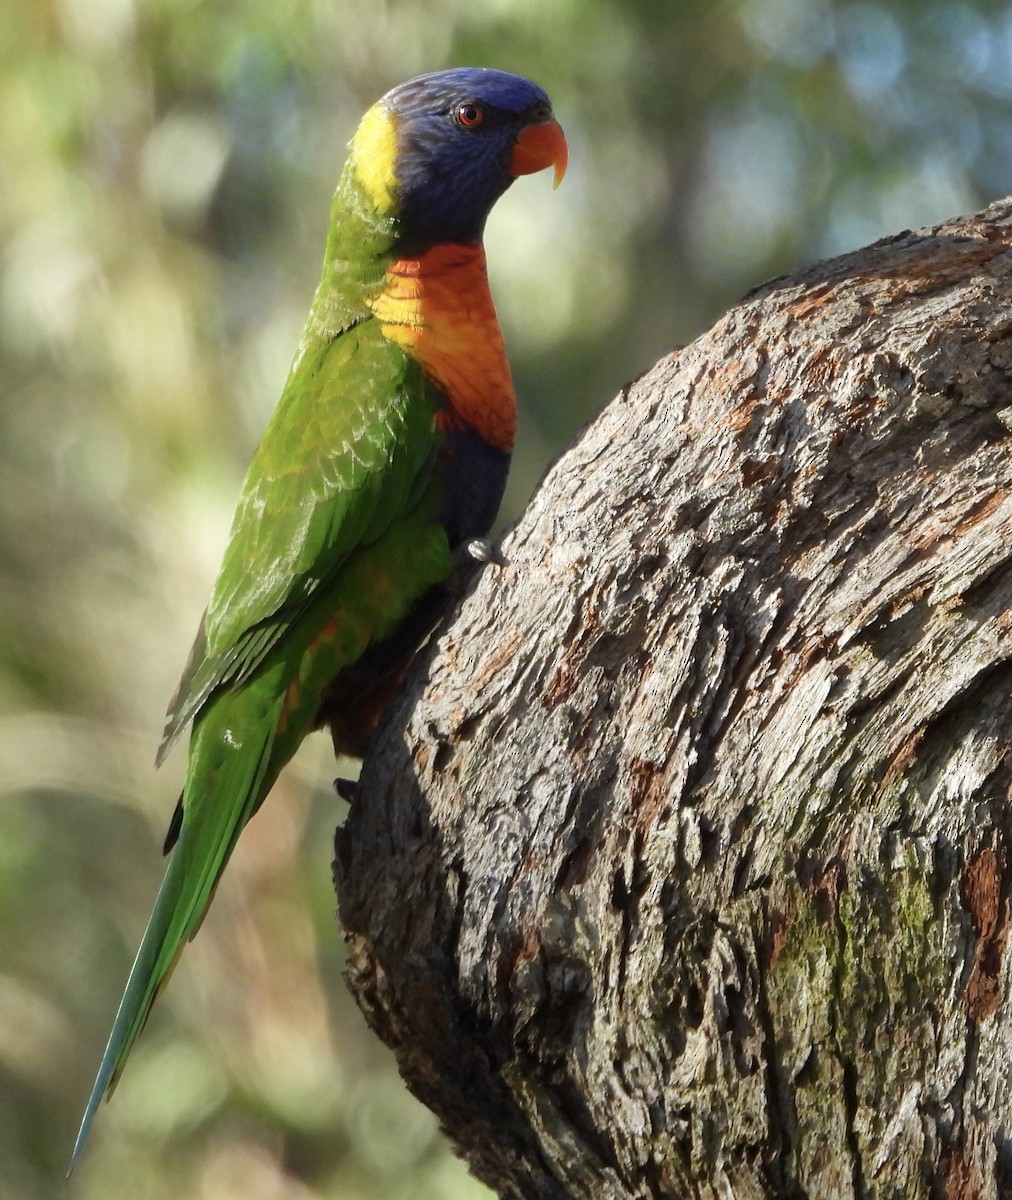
469 115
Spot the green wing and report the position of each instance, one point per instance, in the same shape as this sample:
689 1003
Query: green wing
348 451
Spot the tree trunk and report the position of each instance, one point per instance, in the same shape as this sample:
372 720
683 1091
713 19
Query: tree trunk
681 868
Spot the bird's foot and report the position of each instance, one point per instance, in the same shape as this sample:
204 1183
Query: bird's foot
469 555
347 789
480 550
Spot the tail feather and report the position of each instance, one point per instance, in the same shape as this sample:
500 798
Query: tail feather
138 997
226 782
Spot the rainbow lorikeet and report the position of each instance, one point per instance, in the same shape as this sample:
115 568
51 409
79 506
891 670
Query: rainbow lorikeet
386 456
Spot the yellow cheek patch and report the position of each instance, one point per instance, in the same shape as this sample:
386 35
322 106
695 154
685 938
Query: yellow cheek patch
374 157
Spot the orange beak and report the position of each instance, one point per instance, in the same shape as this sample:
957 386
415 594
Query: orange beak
539 146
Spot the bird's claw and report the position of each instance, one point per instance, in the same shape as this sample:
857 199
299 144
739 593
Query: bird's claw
473 553
481 550
347 789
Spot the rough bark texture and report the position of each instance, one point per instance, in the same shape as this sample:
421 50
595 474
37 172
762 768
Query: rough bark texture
683 868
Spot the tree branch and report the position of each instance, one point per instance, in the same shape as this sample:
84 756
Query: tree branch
681 869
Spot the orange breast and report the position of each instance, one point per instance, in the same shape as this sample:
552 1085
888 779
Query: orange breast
439 307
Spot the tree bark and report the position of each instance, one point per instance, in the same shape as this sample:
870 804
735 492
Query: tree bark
682 866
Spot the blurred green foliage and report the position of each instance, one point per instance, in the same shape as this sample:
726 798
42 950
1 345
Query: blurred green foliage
165 171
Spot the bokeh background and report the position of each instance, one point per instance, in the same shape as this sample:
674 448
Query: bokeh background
165 172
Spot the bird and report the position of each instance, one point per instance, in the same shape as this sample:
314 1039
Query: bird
382 468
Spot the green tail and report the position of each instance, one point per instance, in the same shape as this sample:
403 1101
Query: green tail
232 768
242 737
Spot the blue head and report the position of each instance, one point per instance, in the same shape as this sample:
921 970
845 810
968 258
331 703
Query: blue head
439 150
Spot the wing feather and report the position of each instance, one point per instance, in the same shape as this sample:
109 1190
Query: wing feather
347 452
